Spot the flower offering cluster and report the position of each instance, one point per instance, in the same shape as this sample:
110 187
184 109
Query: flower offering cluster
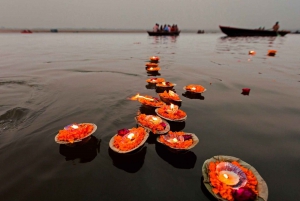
152 69
151 101
155 125
155 80
127 140
171 113
170 95
195 88
74 132
226 191
178 140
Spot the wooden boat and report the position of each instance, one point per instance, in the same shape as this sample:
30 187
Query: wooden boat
175 33
231 31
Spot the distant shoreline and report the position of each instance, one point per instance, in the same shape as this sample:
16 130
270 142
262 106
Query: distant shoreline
90 31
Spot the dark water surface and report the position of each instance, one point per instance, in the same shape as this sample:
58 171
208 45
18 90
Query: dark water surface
48 81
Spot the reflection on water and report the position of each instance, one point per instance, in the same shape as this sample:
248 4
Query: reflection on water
85 152
183 159
130 162
191 95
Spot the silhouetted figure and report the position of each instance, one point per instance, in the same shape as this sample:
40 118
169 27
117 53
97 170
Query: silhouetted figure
276 26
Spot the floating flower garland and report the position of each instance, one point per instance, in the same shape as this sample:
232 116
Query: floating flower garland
170 95
195 88
171 112
155 123
127 140
155 80
75 132
177 140
226 191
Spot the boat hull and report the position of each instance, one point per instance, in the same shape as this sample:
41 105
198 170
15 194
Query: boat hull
231 31
151 33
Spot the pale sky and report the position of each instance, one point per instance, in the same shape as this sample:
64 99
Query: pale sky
143 14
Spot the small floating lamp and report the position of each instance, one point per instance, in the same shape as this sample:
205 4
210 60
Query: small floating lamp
251 52
272 52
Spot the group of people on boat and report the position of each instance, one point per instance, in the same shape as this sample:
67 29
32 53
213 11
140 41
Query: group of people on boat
165 28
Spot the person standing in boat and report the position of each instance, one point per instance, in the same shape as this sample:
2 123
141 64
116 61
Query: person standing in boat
276 26
166 29
155 28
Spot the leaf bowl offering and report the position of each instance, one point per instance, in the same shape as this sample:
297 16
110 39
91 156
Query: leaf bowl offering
155 80
128 140
166 85
153 123
194 88
154 59
151 64
75 133
224 189
179 140
151 101
169 96
171 113
153 69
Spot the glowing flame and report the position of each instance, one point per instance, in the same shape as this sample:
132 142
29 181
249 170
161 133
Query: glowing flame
225 175
175 140
150 68
154 118
172 106
130 136
193 88
75 126
171 93
136 97
163 83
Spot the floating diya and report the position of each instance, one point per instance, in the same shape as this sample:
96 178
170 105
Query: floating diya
231 175
251 52
75 133
166 85
148 100
169 96
179 140
272 52
153 123
127 140
229 178
194 88
171 113
151 64
154 59
155 80
153 69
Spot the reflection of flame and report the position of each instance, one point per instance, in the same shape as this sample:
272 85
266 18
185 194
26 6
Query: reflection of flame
225 175
75 126
130 136
136 97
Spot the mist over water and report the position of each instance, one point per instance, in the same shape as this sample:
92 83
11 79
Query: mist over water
48 81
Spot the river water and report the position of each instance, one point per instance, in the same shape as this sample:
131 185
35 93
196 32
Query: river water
48 81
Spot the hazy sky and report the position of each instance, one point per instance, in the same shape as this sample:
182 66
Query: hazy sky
142 14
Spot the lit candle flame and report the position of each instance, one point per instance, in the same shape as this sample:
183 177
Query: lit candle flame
150 68
193 88
163 83
75 126
175 140
225 175
130 136
154 118
171 93
172 106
